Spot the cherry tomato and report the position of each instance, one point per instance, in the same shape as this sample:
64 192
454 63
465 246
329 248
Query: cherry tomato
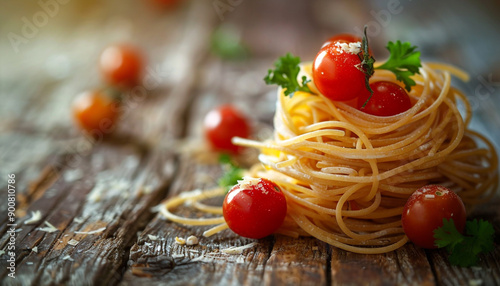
345 38
222 124
121 65
337 73
95 112
388 99
255 208
424 212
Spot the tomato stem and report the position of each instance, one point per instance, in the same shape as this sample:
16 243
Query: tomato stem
113 93
367 62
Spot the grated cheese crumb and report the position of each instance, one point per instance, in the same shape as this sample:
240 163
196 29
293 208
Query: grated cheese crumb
351 48
35 217
78 220
73 242
92 231
180 240
94 197
475 282
73 175
120 185
49 228
156 208
152 237
146 190
248 182
67 257
192 240
35 249
429 196
238 249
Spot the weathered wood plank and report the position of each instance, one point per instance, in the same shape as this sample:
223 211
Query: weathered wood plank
113 184
25 156
115 191
486 273
298 261
163 261
405 266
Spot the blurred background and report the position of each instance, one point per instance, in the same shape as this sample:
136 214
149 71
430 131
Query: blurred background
223 48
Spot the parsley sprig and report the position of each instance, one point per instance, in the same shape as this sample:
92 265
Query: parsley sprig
464 249
285 75
232 173
404 62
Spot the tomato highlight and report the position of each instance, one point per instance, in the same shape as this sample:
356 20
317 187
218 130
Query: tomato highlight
121 65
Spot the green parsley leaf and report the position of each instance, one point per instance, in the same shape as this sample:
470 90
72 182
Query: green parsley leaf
447 235
464 249
403 61
225 159
285 75
227 44
482 232
232 173
463 255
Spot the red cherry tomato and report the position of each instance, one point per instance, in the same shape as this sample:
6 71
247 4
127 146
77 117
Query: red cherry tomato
388 99
345 38
254 208
224 123
424 212
337 73
95 112
121 65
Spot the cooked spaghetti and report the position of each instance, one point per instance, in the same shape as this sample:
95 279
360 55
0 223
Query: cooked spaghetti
347 174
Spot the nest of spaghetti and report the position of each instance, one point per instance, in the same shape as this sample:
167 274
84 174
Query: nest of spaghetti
347 175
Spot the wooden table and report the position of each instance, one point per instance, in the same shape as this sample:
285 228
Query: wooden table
111 186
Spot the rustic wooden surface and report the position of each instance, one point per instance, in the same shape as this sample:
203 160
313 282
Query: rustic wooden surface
80 186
